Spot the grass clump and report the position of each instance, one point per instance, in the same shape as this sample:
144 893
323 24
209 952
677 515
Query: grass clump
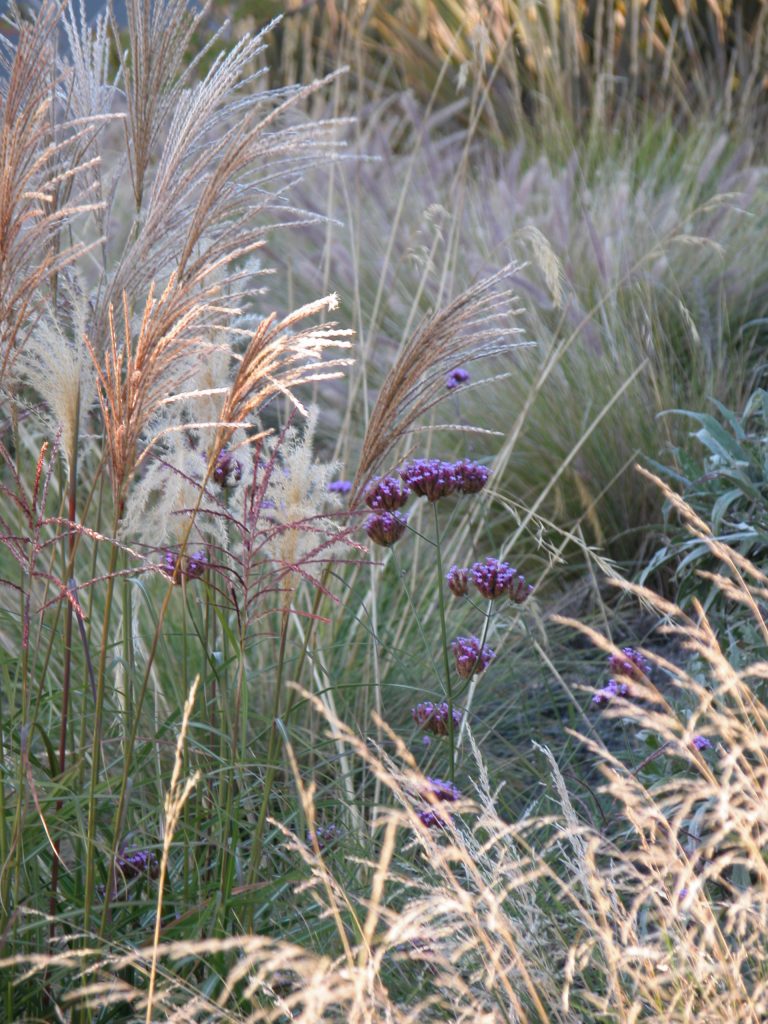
304 709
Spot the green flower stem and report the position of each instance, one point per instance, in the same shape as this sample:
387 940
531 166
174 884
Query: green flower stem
444 637
90 853
273 751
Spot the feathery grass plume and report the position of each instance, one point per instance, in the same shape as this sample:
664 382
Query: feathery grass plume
56 363
278 360
136 378
297 496
211 162
475 325
41 153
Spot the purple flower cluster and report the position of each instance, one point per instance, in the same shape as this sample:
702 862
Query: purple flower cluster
136 863
701 743
340 486
458 581
456 377
471 656
228 470
609 691
196 564
492 579
430 478
471 477
386 528
630 663
438 790
435 718
386 493
323 836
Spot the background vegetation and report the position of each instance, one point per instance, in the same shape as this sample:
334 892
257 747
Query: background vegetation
216 802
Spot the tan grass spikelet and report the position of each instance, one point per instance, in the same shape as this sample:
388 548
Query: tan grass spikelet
473 326
37 166
278 360
135 378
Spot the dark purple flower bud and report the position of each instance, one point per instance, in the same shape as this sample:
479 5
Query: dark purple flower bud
196 565
435 718
609 691
170 563
519 591
701 743
386 493
340 486
458 581
472 658
323 836
386 527
440 789
431 819
136 863
430 478
471 477
492 577
629 663
228 470
456 377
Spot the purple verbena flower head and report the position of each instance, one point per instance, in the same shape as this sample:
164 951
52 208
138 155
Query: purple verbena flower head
386 528
458 581
340 486
196 565
137 862
492 577
629 663
471 656
701 743
471 477
519 591
609 691
431 819
456 377
435 718
440 789
430 478
228 469
386 493
323 836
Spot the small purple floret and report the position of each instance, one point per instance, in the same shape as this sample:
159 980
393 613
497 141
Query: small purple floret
435 718
458 581
386 528
629 663
441 789
196 564
519 591
340 486
386 494
471 477
609 691
430 478
701 743
456 377
136 863
228 470
471 656
323 836
492 577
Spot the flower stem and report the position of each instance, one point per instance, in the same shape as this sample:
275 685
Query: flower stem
444 637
